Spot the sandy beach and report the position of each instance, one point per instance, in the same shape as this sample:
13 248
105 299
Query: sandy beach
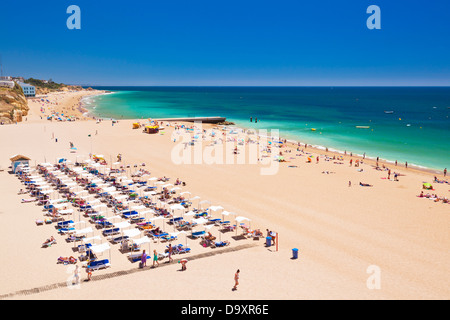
342 232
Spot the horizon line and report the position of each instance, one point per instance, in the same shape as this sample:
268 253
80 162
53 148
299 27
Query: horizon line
274 86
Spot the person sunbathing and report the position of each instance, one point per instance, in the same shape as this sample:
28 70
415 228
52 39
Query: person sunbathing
210 237
49 240
257 233
66 260
365 184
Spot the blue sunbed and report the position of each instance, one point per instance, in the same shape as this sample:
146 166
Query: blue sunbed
198 234
95 265
110 232
129 214
63 224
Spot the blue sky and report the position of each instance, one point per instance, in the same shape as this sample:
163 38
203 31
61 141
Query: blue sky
217 42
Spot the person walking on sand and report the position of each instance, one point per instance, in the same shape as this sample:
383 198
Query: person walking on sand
236 279
445 172
89 273
155 258
76 275
144 259
170 253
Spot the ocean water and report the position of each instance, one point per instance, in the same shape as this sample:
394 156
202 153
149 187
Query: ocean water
417 131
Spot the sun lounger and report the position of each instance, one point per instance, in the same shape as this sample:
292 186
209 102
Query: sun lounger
137 219
218 244
198 234
110 232
134 257
145 226
65 224
100 264
161 235
215 221
119 239
129 214
181 249
73 238
83 247
66 230
168 238
175 220
89 255
103 224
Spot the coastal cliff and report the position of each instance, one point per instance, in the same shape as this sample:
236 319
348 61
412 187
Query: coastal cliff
13 104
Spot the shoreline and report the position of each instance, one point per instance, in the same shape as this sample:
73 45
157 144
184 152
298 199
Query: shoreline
292 140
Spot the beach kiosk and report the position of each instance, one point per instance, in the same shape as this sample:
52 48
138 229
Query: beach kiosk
18 160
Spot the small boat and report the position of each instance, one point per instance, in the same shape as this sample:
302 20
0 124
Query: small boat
362 127
313 129
389 112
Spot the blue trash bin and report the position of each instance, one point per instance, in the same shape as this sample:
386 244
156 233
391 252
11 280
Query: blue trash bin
268 241
294 253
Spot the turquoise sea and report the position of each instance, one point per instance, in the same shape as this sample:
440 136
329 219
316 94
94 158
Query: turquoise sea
405 123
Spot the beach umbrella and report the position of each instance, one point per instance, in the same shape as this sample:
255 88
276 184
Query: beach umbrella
240 219
204 201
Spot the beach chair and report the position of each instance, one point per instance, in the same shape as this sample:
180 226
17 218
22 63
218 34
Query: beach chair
119 239
145 226
218 244
182 249
175 220
214 221
136 256
168 238
88 256
82 248
66 230
161 235
129 214
110 232
137 220
197 234
103 224
73 238
65 224
182 224
99 264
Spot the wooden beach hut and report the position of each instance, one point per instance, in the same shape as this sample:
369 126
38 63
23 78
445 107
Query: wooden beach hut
18 160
